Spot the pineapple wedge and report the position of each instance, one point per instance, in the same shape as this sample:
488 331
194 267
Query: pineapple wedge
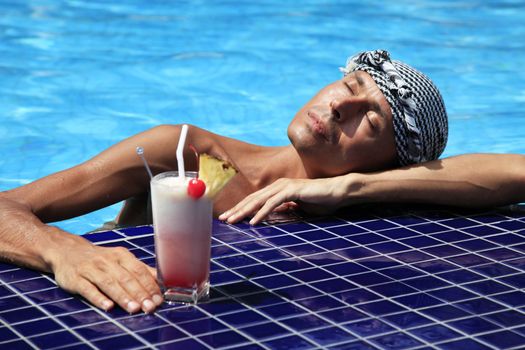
215 173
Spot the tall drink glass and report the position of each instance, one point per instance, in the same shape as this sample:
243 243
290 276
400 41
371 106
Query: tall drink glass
182 228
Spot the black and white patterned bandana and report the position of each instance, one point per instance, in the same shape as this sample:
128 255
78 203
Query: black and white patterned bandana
418 111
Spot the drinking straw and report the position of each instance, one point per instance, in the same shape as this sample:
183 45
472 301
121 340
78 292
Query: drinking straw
140 152
180 148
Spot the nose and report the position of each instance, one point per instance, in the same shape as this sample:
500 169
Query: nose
345 108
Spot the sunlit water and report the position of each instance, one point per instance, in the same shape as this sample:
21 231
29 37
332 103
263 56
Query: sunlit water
77 76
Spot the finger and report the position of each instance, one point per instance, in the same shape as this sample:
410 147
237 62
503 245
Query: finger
285 207
268 207
110 286
93 295
146 281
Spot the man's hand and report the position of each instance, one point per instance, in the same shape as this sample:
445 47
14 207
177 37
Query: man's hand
106 275
319 196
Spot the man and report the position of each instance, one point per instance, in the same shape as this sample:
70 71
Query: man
381 114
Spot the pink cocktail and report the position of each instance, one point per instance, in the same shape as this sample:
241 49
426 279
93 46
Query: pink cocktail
182 227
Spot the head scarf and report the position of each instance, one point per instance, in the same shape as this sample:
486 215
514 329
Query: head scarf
418 111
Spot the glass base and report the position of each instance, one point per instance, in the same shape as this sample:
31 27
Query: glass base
175 295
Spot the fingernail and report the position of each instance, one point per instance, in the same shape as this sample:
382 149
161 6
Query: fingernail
147 305
133 306
106 305
157 299
223 216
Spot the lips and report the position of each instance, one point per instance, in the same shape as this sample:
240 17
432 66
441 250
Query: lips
318 126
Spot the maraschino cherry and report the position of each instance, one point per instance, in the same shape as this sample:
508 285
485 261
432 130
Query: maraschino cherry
196 188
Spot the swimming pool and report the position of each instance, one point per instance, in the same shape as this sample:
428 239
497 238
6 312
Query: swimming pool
78 76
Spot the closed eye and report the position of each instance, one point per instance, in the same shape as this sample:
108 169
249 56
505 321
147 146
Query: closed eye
349 88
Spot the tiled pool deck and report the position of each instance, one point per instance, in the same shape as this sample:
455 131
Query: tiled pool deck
390 278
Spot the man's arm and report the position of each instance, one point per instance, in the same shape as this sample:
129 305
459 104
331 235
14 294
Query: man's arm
97 273
472 180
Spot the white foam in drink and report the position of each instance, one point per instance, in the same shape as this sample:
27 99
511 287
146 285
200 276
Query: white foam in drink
182 227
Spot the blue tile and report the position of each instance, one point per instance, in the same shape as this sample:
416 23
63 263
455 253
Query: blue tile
103 236
463 344
508 318
500 254
65 306
147 241
513 225
494 270
282 310
401 272
475 245
480 231
304 323
445 312
311 275
315 235
303 249
161 334
243 318
48 295
474 325
32 328
420 242
6 334
479 305
99 330
408 320
285 240
517 280
347 230
408 220
271 255
223 339
426 283
399 233
430 227
32 285
356 296
388 247
504 339
393 289
487 287
20 315
142 321
333 285
354 345
262 232
459 222
506 239
321 303
232 237
82 318
452 294
289 343
517 263
261 299
325 258
344 315
222 277
256 271
18 345
291 264
137 231
369 327
119 342
182 314
276 281
366 238
461 276
396 341
345 269
411 256
18 275
207 325
451 236
335 243
514 299
55 339
383 307
369 278
444 250
328 222
186 344
416 301
435 333
331 335
297 292
377 225
13 302
378 262
222 250
296 227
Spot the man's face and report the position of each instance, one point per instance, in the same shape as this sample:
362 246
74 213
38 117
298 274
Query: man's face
346 127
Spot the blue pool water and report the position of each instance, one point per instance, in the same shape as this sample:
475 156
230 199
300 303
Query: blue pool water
78 76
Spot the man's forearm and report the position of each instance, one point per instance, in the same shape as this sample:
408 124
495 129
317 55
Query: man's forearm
473 180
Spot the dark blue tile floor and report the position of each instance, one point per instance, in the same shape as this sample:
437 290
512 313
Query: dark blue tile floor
374 278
